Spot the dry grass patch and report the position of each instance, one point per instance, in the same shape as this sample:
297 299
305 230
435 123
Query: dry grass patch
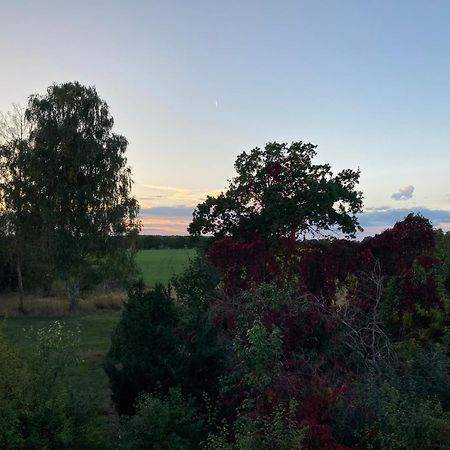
58 306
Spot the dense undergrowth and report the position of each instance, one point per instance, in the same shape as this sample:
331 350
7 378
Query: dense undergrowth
39 409
329 344
332 344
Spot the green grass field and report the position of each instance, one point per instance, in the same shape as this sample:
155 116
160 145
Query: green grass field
95 338
159 265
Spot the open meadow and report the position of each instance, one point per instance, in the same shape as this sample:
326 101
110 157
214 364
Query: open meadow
159 265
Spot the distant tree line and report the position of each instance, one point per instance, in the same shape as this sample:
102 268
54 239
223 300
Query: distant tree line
147 242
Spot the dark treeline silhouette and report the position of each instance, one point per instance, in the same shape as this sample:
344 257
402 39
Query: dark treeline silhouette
148 242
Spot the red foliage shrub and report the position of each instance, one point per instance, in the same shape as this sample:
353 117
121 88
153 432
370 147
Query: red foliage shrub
419 300
314 365
397 248
241 264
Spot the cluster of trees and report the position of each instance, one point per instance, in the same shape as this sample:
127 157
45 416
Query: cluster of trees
146 242
275 342
64 192
269 340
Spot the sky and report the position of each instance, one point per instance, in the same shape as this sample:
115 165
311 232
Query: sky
191 84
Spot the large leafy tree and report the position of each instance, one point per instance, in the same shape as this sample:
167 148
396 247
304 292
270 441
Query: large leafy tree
16 194
81 179
280 192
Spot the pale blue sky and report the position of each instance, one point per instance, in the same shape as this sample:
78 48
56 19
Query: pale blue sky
193 83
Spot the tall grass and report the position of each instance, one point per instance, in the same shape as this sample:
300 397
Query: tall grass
57 305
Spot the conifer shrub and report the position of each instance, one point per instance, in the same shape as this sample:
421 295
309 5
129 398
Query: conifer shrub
153 350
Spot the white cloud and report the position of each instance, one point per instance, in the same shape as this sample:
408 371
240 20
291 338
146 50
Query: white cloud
403 194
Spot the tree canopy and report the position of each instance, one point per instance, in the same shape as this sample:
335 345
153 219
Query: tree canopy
80 177
17 218
280 192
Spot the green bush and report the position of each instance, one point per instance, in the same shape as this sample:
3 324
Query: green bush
403 421
38 410
258 355
144 352
393 412
425 369
14 380
196 284
275 430
151 351
162 422
443 253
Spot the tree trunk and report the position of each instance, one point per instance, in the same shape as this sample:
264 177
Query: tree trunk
20 285
73 294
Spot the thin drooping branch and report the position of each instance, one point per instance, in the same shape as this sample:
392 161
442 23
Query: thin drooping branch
361 317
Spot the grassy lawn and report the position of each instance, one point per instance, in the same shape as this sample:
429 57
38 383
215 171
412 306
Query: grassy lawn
95 329
159 265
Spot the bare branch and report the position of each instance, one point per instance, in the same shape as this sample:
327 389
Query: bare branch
13 125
